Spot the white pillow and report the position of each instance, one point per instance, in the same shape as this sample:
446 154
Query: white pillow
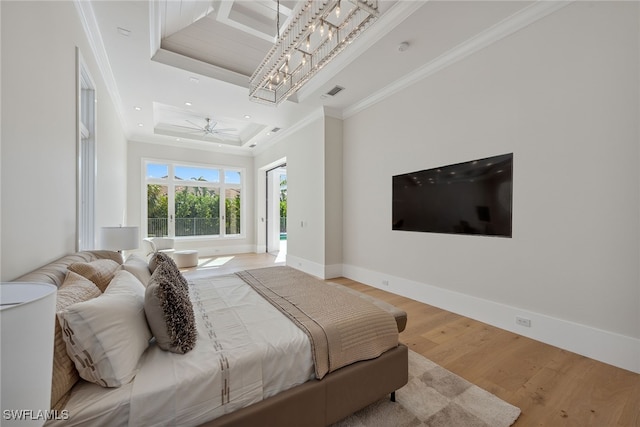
106 336
139 267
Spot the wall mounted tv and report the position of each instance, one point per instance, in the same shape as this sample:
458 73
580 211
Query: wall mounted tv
473 197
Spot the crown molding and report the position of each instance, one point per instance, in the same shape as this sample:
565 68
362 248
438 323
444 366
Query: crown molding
91 30
308 119
192 65
155 28
502 29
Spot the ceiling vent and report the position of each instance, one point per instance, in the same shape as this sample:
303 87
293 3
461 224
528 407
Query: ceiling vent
335 90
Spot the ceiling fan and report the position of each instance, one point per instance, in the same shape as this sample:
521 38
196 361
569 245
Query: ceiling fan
209 129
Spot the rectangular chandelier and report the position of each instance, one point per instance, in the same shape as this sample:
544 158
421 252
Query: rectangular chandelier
319 31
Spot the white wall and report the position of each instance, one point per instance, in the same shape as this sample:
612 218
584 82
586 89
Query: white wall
39 136
0 142
333 196
562 95
314 212
139 151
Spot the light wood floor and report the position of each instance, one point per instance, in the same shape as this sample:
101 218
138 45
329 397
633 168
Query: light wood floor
552 387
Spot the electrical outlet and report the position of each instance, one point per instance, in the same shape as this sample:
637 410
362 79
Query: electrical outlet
385 283
523 321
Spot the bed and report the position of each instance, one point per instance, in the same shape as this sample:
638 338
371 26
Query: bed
252 365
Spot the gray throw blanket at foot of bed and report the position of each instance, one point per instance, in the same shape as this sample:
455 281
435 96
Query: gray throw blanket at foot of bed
342 328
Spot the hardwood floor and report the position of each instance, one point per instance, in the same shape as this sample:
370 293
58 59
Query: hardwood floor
227 264
551 386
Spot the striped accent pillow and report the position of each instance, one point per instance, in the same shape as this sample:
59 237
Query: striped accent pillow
100 271
75 288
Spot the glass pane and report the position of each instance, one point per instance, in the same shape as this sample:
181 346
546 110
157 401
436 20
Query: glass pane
231 177
157 171
283 206
232 211
157 211
197 211
190 173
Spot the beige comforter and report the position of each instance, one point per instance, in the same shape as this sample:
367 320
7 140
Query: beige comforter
342 328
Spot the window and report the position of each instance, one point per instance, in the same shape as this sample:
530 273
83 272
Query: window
86 161
187 200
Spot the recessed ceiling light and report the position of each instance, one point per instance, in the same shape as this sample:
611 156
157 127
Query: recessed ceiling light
246 116
140 125
137 108
194 79
268 133
177 139
188 104
123 32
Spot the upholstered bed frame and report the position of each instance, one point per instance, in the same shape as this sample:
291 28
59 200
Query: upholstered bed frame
320 403
314 403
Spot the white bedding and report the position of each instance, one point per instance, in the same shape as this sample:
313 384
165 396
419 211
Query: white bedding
264 351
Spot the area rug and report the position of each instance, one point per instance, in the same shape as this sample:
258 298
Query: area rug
435 397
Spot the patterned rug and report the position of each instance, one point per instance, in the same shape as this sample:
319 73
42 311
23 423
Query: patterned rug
435 397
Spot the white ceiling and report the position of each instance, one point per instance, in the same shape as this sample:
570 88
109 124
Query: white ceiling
171 64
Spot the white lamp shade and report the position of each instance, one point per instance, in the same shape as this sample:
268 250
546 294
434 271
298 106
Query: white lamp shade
27 322
119 238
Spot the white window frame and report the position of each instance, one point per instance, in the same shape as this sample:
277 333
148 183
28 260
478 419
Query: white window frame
171 183
86 149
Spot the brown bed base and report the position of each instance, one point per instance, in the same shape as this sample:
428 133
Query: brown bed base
336 396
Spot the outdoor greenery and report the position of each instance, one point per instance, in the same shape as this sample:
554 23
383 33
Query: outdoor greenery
197 211
283 200
232 214
157 201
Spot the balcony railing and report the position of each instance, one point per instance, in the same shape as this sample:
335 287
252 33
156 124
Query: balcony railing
159 227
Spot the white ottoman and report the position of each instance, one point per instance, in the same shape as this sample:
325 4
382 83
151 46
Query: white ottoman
187 258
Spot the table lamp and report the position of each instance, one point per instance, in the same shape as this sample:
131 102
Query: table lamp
119 238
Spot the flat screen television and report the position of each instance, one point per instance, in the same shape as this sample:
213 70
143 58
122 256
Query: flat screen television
473 197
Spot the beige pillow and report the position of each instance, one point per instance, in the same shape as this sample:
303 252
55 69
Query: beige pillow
75 288
139 267
106 336
100 271
169 310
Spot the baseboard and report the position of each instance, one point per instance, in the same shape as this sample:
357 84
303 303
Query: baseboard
611 348
315 269
307 266
332 271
